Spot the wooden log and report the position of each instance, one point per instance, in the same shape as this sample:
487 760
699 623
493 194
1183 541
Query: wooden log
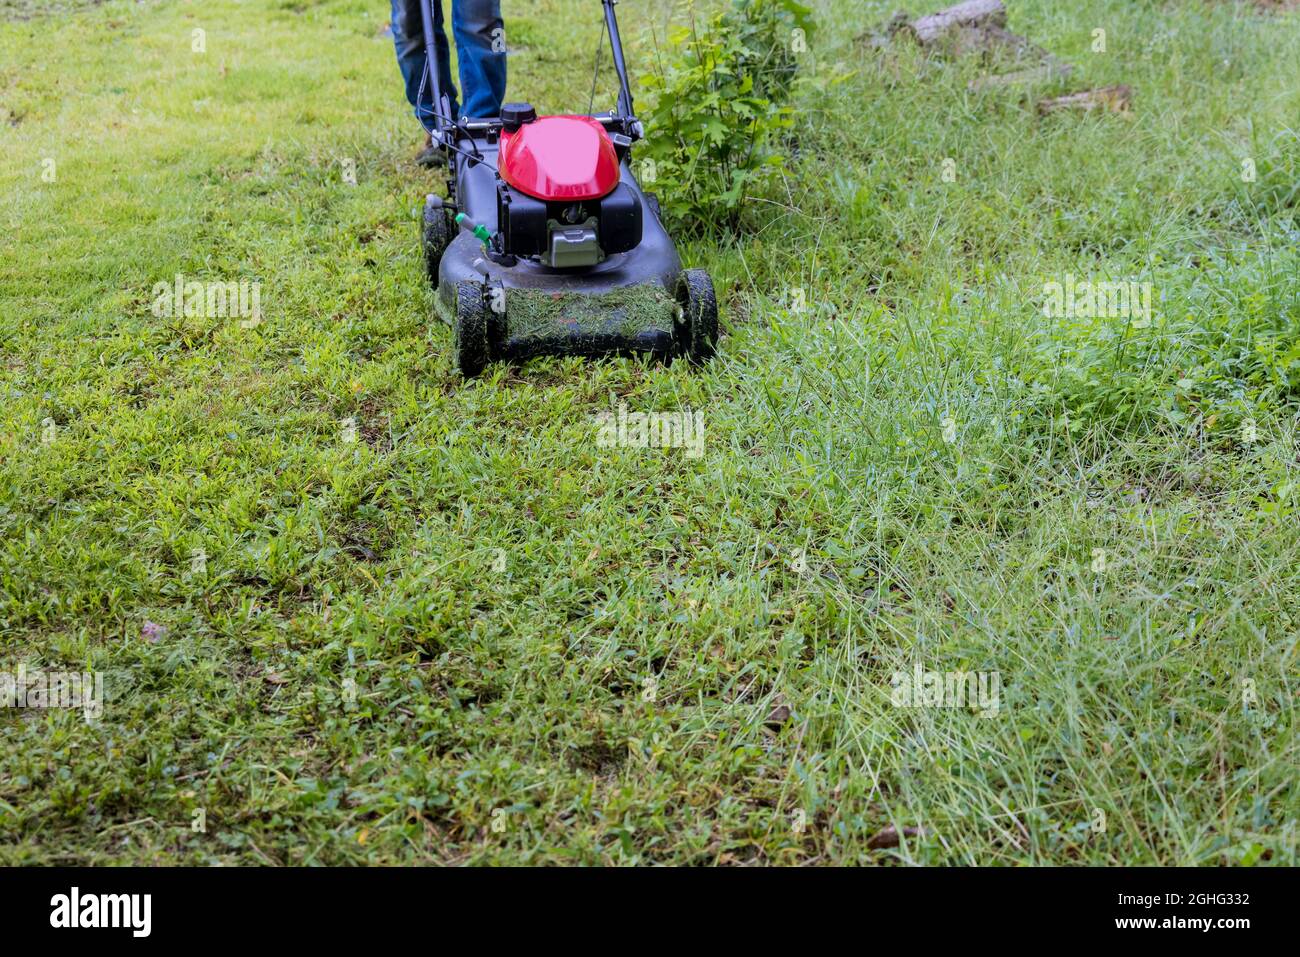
971 14
1112 99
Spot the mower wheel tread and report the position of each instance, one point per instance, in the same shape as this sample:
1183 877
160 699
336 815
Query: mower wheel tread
471 328
700 314
435 236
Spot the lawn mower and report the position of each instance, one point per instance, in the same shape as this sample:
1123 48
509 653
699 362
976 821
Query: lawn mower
546 244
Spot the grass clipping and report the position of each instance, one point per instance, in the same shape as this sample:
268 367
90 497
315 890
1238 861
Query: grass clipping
538 314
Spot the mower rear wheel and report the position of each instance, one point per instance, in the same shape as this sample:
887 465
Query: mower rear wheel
436 236
699 332
471 328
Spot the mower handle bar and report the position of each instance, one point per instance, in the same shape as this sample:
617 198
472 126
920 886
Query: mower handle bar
620 65
444 121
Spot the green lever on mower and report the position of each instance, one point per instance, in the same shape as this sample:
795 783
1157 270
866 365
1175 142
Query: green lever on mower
478 229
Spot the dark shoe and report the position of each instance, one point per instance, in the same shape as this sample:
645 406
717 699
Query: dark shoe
429 155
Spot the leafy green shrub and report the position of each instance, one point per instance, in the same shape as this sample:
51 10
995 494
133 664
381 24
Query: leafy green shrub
719 108
766 31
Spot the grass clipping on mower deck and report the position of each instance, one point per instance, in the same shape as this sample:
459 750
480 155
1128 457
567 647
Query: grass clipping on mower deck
538 314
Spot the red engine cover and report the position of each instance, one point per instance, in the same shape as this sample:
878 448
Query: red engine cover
559 157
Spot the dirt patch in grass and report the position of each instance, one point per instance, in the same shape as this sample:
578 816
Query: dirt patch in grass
374 427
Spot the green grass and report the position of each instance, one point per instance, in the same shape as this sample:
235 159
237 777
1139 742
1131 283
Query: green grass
914 468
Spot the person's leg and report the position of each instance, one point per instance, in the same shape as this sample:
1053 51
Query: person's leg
481 45
408 38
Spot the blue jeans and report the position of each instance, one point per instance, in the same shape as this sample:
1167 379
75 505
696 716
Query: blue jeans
480 44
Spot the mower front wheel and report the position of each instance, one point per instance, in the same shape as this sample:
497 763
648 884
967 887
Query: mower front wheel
435 236
471 328
699 305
